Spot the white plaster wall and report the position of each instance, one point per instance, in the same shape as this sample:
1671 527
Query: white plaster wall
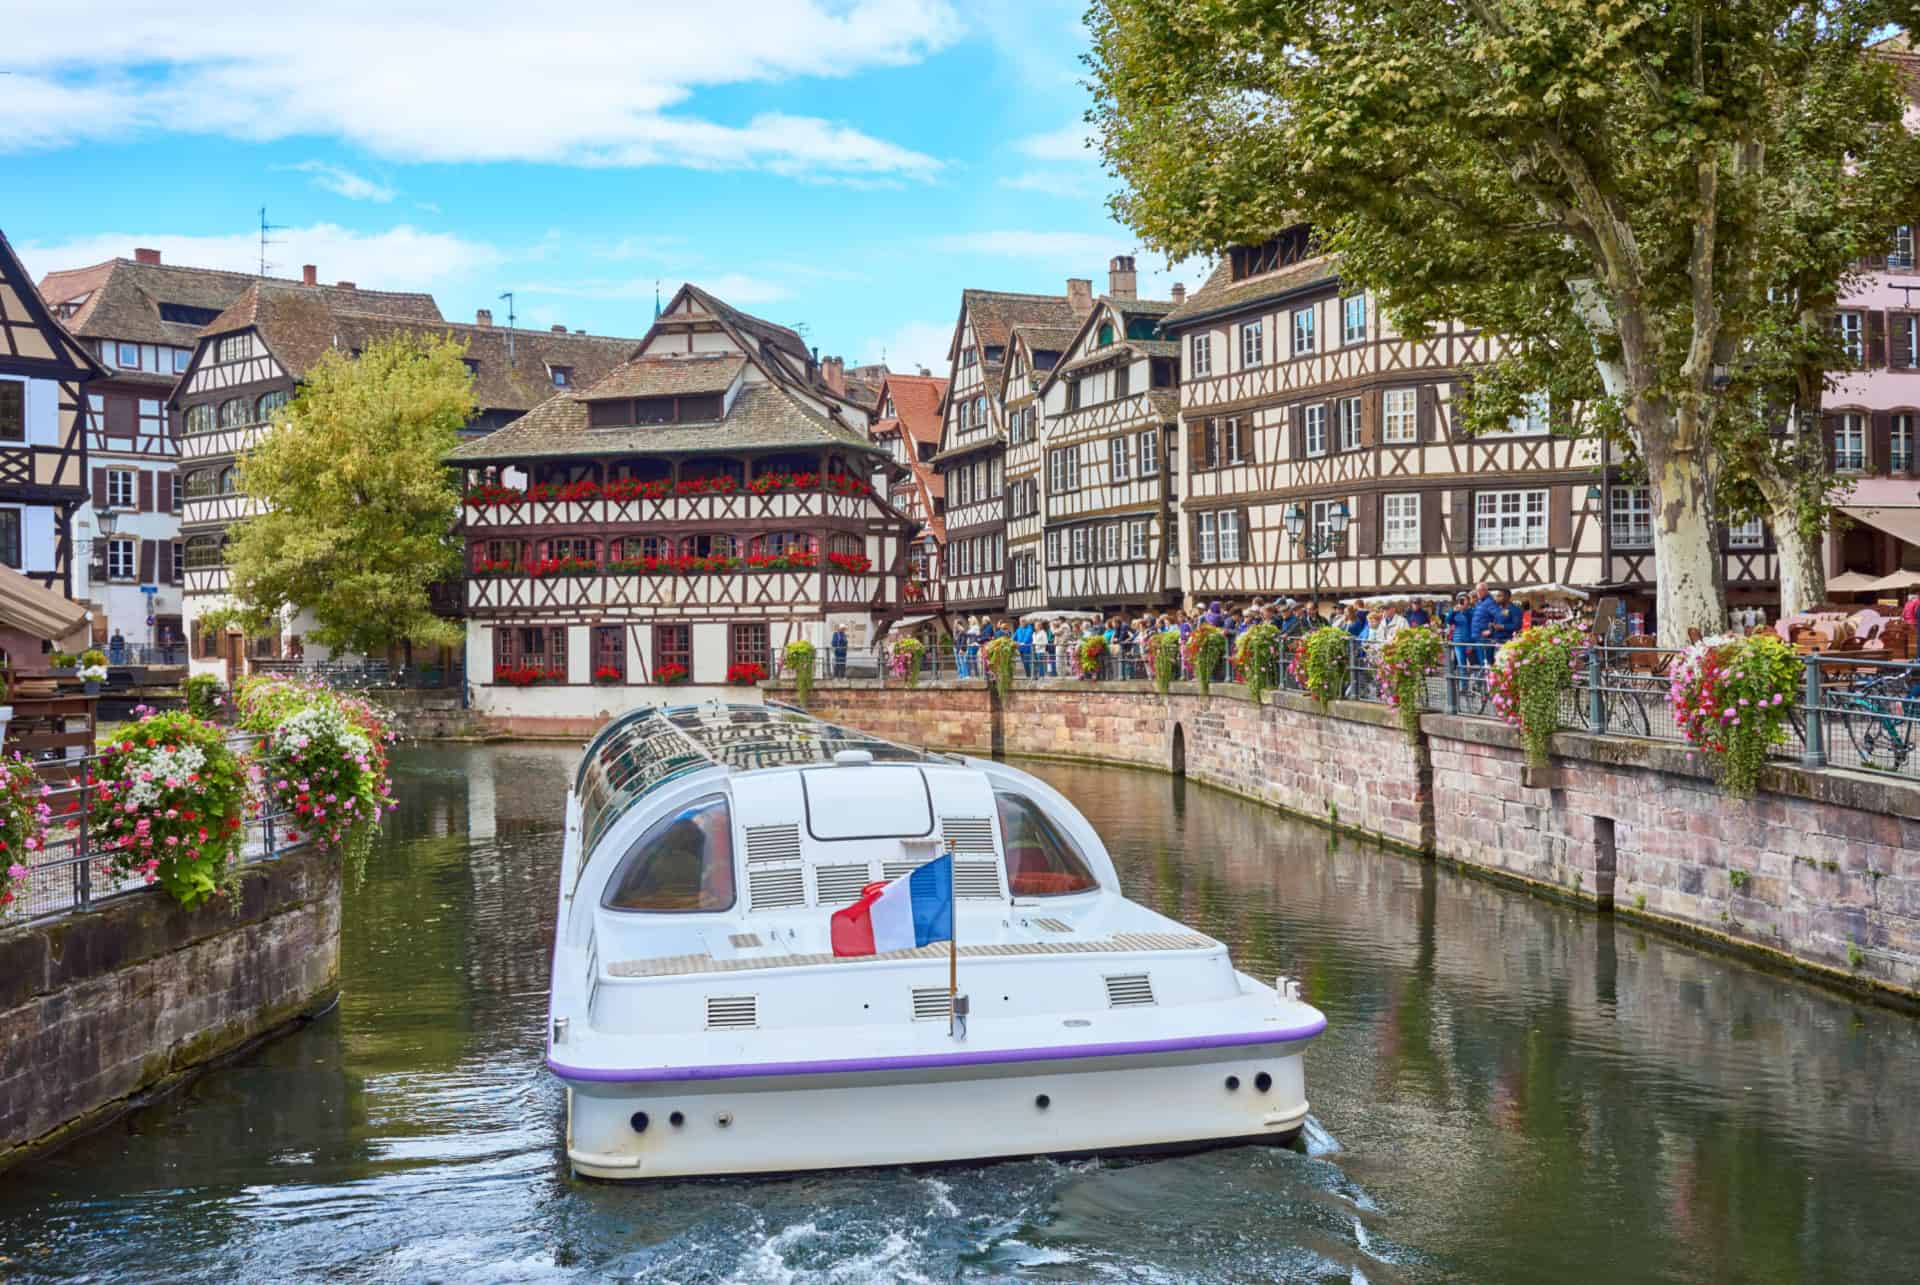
709 649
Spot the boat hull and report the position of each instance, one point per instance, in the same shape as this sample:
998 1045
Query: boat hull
846 1120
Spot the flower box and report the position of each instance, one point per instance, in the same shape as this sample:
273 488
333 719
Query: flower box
671 674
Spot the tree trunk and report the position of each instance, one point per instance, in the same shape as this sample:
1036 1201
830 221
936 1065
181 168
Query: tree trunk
1803 573
1689 573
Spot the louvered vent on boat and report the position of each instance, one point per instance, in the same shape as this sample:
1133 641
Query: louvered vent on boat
930 1003
891 870
1053 925
775 888
773 843
977 879
1129 990
732 1012
968 834
839 884
742 941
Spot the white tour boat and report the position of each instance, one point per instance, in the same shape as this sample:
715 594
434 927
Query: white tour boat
702 1024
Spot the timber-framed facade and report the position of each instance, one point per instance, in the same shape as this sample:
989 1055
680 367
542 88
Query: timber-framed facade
909 409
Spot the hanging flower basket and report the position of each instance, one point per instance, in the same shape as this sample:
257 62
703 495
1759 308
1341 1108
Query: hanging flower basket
1528 679
1732 698
168 803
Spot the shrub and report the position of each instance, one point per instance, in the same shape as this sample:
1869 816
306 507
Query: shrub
168 803
93 656
1206 644
24 817
1405 662
1163 653
903 658
1732 698
1528 677
203 696
1258 659
799 659
1319 663
998 655
63 660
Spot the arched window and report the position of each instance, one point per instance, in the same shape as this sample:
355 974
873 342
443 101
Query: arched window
234 412
229 480
1106 333
269 403
205 551
709 546
201 483
199 419
776 543
567 474
841 542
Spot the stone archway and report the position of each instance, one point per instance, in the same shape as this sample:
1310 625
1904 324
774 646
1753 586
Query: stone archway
1177 751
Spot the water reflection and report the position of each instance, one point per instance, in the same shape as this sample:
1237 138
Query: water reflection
1510 1090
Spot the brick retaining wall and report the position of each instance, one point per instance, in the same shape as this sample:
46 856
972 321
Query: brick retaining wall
101 1008
1829 861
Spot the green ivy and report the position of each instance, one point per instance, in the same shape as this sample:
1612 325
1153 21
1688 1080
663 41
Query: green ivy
998 655
1164 652
1415 652
799 657
1258 656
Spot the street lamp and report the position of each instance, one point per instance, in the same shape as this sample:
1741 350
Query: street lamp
1317 545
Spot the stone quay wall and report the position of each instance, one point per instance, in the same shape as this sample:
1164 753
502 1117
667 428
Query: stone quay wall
1819 872
104 1009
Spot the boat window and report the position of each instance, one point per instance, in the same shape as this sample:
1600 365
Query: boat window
683 862
1041 862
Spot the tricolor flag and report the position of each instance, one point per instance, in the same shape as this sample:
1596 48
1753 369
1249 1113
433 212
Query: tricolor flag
913 910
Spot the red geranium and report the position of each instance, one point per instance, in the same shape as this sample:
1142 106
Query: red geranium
671 674
854 564
490 495
608 674
526 675
747 673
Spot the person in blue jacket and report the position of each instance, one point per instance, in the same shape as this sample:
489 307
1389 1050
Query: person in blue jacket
1023 639
1481 627
1505 621
1459 622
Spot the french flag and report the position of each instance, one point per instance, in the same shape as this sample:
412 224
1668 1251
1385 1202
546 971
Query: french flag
913 910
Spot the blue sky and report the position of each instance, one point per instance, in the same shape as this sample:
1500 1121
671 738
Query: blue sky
849 165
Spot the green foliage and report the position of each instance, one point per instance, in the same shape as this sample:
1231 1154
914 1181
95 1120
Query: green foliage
63 660
1405 662
998 657
359 504
799 658
1527 679
1258 656
92 656
1612 188
1323 663
904 660
1163 653
168 804
1732 697
1738 878
203 696
1206 644
1639 901
1855 957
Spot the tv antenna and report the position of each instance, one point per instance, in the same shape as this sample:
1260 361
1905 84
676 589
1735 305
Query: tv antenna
508 296
266 227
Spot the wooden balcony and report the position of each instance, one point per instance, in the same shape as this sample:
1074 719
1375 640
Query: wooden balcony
774 593
220 442
786 507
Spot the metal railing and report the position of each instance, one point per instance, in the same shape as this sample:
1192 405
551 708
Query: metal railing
70 874
359 676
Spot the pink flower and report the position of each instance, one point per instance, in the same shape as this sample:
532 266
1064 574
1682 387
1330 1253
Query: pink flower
16 871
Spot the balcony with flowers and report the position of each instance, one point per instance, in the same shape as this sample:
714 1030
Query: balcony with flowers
782 488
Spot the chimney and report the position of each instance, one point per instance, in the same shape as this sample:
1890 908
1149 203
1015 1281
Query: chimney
1179 292
309 275
144 255
483 317
1122 280
1080 295
345 285
833 370
559 330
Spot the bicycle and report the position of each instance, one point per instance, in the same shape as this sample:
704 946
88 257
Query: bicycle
1878 717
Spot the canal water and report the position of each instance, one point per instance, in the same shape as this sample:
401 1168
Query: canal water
1510 1090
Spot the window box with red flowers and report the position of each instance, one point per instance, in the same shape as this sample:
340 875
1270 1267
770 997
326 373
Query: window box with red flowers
854 564
527 675
671 674
769 483
608 676
491 495
842 484
791 560
725 484
627 488
490 567
541 568
747 674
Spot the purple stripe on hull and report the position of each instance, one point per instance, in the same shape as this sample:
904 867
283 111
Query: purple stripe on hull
928 1061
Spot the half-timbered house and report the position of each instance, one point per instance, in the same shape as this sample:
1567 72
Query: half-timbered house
141 318
973 436
908 429
705 503
249 361
1032 353
1110 419
45 374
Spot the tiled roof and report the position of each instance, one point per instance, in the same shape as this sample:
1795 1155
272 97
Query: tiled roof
916 402
122 298
776 336
667 377
996 312
1055 339
763 417
1105 356
1222 293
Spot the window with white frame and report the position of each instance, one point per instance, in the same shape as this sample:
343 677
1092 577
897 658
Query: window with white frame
1900 253
120 484
120 559
1120 458
1353 319
1400 523
1322 524
1206 537
1850 443
1631 516
179 556
1079 545
1137 540
1900 445
1349 410
1053 548
1229 535
1202 359
1510 519
1252 345
1315 428
1905 342
1751 534
1302 331
1110 542
1399 415
1150 453
1532 419
1851 340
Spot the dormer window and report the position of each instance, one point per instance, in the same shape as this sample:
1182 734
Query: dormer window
701 409
1106 333
562 376
889 412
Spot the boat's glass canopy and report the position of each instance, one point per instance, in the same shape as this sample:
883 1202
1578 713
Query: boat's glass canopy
647 748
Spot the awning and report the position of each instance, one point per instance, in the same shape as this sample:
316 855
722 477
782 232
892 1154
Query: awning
1903 523
1556 590
34 609
1899 580
1851 582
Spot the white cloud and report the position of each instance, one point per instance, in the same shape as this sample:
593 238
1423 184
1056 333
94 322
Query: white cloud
907 349
1072 142
399 258
527 88
343 182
